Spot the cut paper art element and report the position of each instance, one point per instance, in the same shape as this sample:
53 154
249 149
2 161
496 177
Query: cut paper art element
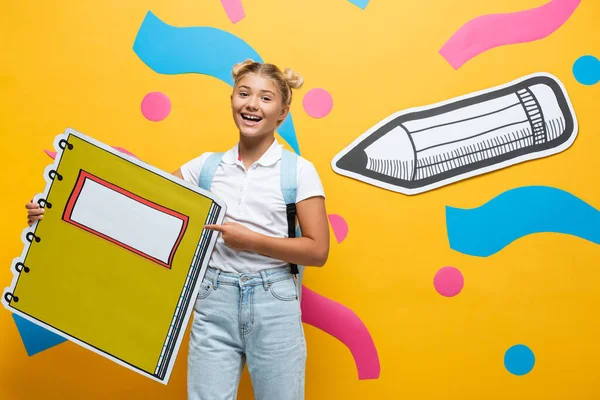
317 103
52 154
489 31
487 229
114 265
35 338
587 70
424 148
519 360
448 281
156 106
343 324
201 49
131 222
339 227
234 10
360 3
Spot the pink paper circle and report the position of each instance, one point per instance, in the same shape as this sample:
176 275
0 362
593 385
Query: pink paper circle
156 106
448 281
339 226
317 103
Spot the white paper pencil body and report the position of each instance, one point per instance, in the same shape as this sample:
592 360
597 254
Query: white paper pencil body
420 149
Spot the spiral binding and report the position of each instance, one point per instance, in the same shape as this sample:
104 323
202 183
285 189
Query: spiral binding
9 297
53 174
21 267
31 237
46 203
65 143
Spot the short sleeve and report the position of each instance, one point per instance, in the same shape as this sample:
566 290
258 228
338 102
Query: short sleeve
191 170
309 182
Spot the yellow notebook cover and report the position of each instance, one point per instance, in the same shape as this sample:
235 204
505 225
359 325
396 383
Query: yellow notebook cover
115 263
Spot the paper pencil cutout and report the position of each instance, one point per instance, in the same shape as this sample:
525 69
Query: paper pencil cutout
114 265
420 149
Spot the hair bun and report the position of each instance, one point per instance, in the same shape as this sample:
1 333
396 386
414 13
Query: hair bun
239 67
293 79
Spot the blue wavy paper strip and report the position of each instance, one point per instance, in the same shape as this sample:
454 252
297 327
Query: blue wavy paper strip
360 3
518 212
199 49
35 338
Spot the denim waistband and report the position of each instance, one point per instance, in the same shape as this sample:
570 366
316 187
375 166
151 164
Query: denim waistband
265 277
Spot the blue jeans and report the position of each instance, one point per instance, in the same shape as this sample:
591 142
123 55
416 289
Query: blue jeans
247 318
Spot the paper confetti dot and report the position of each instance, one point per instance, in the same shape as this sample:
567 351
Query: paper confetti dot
587 70
317 103
519 359
339 226
156 106
448 281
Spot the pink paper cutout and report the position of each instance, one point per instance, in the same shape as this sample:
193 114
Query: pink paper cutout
156 106
339 226
448 281
317 103
343 324
488 31
234 10
52 154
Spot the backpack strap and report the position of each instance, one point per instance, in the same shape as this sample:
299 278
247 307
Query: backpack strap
208 170
289 188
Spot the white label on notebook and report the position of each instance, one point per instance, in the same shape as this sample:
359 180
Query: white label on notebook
125 219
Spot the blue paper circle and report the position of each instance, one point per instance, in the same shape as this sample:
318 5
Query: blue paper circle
519 359
587 70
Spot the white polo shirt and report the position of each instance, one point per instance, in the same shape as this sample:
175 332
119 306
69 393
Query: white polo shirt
253 199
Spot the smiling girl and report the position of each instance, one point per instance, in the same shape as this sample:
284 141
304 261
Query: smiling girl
248 308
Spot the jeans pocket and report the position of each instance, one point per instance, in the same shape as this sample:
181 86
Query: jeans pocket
284 290
206 288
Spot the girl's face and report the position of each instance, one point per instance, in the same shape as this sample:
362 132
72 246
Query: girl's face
256 105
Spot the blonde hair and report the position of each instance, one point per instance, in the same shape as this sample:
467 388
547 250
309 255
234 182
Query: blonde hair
285 81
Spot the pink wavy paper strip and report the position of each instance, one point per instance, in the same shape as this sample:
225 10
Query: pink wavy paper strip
493 30
52 154
343 324
234 10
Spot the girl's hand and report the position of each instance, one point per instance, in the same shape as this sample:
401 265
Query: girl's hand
235 236
34 212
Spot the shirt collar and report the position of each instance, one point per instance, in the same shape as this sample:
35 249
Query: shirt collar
270 157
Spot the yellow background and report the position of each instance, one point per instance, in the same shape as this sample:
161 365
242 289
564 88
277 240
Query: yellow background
72 65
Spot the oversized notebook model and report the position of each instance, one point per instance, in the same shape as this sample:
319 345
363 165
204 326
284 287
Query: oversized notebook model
115 263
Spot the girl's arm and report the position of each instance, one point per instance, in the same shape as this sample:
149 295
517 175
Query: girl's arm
312 249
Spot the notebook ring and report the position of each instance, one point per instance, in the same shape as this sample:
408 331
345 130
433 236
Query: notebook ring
45 205
9 297
53 174
65 143
31 237
21 267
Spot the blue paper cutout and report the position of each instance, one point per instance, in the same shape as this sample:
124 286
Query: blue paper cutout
35 338
519 359
518 212
360 3
200 49
587 70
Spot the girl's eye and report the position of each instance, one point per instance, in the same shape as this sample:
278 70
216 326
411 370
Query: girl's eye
266 99
243 94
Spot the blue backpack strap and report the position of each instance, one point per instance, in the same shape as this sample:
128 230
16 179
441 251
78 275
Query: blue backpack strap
289 188
208 170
